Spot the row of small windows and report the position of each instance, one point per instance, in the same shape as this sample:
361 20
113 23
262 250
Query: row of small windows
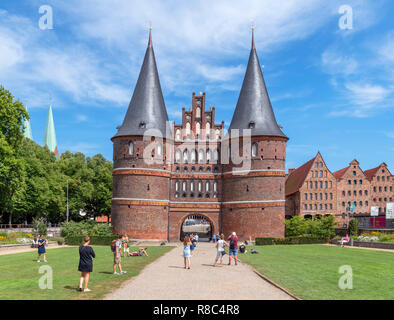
319 184
318 164
192 156
355 203
320 206
381 189
384 199
319 174
192 186
207 133
360 192
199 190
320 196
355 181
193 169
383 178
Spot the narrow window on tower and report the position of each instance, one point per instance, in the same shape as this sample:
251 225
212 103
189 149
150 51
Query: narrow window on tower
254 150
131 148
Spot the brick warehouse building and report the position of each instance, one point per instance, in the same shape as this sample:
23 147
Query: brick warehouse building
308 197
152 198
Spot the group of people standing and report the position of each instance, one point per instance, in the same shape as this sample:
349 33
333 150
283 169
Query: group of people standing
233 248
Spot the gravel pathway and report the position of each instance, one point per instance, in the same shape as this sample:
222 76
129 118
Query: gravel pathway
166 279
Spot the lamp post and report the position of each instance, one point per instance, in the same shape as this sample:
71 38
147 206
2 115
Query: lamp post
67 203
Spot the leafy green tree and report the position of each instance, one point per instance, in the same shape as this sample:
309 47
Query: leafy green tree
296 226
353 228
100 202
12 169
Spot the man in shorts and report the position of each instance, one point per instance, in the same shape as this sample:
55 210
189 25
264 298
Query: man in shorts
233 248
117 254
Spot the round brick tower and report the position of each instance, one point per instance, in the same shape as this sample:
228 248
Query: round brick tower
253 191
141 177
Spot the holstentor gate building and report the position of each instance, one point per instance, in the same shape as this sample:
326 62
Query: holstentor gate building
152 198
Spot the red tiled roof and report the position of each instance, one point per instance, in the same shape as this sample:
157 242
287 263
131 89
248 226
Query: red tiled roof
338 174
297 177
371 172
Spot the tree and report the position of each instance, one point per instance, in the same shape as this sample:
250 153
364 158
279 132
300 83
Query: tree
74 168
100 202
353 228
12 170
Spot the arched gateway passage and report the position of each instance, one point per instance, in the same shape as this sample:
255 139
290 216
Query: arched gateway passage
197 224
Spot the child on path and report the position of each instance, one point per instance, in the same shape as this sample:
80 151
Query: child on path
85 263
220 252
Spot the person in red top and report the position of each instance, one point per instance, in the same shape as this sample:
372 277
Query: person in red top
233 248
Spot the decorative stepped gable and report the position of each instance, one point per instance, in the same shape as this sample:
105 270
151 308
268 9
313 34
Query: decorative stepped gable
147 109
254 109
50 135
27 133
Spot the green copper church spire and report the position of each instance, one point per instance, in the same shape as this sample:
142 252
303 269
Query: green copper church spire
27 133
50 136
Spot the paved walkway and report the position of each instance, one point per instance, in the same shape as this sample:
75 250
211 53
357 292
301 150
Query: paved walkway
14 250
354 247
166 279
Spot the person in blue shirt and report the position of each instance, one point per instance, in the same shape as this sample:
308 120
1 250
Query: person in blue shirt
41 248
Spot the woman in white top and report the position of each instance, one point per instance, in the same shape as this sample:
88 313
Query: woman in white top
220 246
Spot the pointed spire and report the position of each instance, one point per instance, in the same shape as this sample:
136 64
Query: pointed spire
147 109
50 135
253 47
254 109
27 133
150 37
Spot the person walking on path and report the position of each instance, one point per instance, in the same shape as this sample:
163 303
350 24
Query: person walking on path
186 252
213 238
220 250
85 263
117 253
233 248
41 248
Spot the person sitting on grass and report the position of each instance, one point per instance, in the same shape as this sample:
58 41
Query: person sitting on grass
117 253
85 263
344 240
139 253
41 248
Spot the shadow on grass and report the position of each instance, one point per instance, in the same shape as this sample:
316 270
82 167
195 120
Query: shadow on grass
106 272
71 288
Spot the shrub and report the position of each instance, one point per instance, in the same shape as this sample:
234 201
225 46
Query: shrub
353 228
290 240
39 226
94 240
90 228
296 226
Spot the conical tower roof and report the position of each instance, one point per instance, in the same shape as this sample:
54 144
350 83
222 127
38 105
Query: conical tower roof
147 109
254 110
27 133
50 135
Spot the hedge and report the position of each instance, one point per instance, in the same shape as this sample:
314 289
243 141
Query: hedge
289 240
94 240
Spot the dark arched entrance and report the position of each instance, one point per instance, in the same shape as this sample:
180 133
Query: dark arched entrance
197 224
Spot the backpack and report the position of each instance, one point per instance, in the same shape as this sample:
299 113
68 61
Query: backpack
113 243
232 244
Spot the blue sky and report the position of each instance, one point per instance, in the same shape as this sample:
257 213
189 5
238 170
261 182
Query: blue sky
332 89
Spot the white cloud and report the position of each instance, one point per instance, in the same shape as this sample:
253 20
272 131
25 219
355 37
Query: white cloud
335 63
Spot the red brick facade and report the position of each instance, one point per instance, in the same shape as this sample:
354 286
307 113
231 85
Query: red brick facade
346 188
152 200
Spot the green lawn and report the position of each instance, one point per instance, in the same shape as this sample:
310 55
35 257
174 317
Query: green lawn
19 274
311 271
